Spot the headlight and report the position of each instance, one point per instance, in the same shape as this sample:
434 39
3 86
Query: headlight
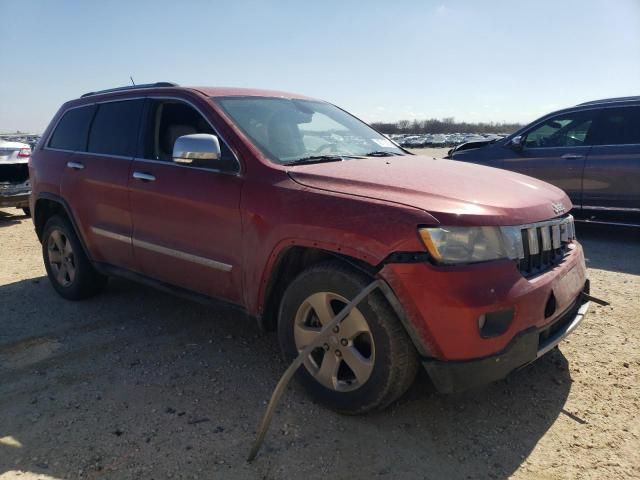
456 245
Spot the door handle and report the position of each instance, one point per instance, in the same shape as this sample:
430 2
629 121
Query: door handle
75 165
145 177
572 156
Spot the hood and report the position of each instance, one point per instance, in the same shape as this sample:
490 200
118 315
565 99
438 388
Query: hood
472 144
455 193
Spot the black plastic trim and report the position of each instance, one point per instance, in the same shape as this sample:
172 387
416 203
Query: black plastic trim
56 198
108 269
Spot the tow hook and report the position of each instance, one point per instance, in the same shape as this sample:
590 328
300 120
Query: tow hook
591 298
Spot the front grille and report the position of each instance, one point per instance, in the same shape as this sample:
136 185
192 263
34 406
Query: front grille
541 245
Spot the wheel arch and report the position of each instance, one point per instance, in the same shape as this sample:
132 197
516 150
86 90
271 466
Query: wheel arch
289 262
48 205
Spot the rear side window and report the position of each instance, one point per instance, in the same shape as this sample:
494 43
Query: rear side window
115 128
617 126
72 129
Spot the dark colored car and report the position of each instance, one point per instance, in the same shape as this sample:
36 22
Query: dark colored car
591 151
288 207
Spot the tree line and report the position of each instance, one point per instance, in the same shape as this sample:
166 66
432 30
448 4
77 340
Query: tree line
444 125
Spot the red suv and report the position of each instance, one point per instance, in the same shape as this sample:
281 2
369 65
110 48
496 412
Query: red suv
288 207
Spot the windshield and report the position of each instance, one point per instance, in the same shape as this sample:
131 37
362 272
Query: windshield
289 131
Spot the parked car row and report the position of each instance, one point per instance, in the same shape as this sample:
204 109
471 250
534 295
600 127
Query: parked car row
440 139
28 138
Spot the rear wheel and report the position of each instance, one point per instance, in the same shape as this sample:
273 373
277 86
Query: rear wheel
368 361
68 268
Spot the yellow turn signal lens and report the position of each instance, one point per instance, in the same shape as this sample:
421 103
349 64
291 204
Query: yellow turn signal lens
428 242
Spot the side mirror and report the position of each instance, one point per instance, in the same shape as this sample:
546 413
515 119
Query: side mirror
199 146
517 143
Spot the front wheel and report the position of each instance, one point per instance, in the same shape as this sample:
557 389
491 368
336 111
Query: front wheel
367 363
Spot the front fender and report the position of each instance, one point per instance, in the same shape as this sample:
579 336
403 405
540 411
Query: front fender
284 215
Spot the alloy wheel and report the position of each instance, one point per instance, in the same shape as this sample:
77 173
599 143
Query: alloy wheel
61 258
345 361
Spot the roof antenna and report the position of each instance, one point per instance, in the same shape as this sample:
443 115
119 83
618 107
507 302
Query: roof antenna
132 82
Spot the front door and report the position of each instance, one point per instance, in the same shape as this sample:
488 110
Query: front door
186 218
555 151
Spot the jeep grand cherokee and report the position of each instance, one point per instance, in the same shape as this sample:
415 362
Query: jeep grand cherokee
288 206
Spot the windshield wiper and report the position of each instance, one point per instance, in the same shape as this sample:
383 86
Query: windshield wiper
316 159
381 153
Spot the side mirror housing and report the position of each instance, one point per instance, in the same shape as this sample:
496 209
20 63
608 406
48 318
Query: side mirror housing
517 143
199 146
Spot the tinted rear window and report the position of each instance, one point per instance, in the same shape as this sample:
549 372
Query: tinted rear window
115 128
617 126
71 132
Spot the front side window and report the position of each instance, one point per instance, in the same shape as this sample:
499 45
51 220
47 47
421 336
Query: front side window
568 130
72 129
115 128
169 119
617 126
288 130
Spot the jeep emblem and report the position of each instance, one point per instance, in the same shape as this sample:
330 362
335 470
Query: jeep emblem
558 208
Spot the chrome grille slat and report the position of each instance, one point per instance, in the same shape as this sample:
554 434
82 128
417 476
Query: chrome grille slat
555 236
545 231
541 245
532 234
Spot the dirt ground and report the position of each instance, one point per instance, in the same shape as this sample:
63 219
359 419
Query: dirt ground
138 384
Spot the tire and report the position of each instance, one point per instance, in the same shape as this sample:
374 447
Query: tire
385 359
27 211
68 268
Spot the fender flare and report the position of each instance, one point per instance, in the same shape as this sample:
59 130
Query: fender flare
67 209
280 249
422 346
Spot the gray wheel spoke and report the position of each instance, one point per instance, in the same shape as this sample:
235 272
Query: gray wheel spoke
57 240
61 275
54 256
67 247
353 325
320 304
360 366
71 271
305 335
328 372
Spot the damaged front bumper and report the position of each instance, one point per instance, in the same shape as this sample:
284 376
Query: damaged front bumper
524 348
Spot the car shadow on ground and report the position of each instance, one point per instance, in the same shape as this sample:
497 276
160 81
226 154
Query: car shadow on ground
135 383
7 219
610 247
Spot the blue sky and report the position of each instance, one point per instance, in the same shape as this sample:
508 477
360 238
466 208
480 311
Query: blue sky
381 60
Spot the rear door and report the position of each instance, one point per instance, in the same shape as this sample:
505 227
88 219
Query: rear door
612 172
96 180
555 151
186 218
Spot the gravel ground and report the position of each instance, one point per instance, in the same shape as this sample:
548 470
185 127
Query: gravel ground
138 384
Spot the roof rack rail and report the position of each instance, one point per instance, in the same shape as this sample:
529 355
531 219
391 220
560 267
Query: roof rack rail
131 87
609 100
